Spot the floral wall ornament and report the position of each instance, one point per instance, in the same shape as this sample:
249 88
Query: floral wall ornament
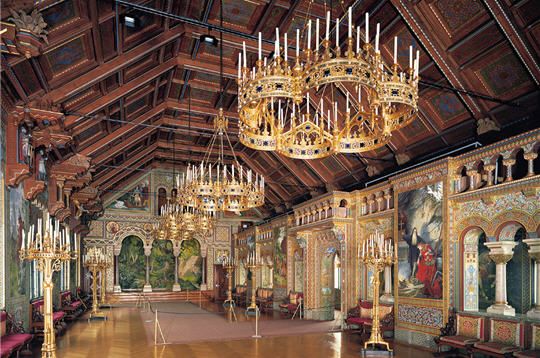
30 32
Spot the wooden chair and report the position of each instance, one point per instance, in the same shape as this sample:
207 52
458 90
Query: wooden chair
460 333
265 299
361 317
534 348
505 338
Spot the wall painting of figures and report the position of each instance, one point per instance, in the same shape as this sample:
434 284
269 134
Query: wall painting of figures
132 264
162 265
190 265
280 257
136 199
420 246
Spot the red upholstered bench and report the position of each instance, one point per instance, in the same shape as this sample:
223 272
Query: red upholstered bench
12 336
36 317
239 295
290 306
461 332
72 308
361 316
505 338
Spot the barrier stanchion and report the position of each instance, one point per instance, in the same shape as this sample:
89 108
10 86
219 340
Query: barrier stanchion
157 327
200 299
299 310
257 313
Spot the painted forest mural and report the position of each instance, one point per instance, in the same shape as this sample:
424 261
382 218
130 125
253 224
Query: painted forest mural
280 257
162 265
190 265
132 265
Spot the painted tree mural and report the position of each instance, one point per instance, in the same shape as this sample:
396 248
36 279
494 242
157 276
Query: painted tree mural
190 265
162 265
132 264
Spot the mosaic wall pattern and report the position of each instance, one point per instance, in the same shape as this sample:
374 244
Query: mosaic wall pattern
424 316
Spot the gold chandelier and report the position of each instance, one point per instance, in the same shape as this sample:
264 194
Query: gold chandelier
216 186
326 101
180 222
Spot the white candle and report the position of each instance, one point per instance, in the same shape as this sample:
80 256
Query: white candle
298 44
410 56
285 47
277 42
328 26
395 50
350 22
23 243
309 35
317 36
377 37
367 27
245 56
357 39
337 32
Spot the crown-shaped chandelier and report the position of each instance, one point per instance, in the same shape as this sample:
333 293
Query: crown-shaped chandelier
180 222
215 186
327 101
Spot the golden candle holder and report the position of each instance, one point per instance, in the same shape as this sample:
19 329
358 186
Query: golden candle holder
94 260
229 265
253 263
104 302
377 253
49 247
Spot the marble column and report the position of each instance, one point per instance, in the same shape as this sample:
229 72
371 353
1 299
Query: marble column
117 288
387 297
489 168
147 287
530 157
501 252
176 285
204 285
509 163
534 253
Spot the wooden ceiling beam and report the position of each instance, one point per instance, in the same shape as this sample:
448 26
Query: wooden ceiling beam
197 65
122 91
126 59
500 12
125 129
183 106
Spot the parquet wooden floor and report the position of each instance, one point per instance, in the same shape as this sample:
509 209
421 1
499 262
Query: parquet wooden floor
123 335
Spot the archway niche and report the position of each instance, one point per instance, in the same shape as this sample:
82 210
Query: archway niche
518 269
132 264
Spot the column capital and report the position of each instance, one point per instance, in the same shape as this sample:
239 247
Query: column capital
501 258
499 250
530 156
507 162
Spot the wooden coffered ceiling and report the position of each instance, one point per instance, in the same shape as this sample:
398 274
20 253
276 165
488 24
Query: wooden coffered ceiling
123 102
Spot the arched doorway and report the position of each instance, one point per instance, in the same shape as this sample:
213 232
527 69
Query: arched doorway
131 264
162 265
190 264
337 282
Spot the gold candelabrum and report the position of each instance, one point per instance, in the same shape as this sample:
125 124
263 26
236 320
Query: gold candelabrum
95 261
49 246
253 263
229 265
377 253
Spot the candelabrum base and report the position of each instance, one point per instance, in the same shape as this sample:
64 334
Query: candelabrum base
372 352
105 305
98 315
48 354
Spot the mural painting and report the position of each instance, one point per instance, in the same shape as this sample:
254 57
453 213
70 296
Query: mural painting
18 223
420 226
162 265
135 199
132 264
280 257
190 265
327 284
